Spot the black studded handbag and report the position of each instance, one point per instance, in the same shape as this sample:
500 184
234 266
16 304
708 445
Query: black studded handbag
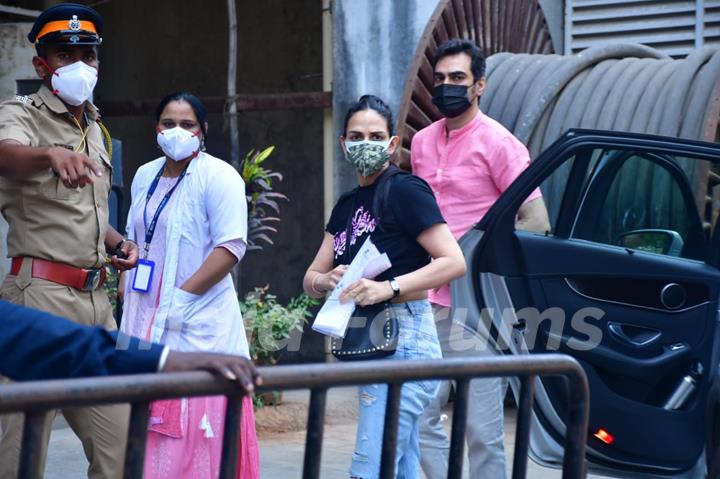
372 332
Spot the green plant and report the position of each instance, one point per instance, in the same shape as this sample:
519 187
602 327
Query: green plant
269 325
111 286
261 198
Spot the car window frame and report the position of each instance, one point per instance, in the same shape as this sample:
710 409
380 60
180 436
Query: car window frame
500 218
602 178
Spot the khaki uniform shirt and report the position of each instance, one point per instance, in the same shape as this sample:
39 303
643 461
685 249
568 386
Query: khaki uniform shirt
46 219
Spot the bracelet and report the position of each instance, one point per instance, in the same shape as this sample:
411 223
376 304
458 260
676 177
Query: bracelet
312 285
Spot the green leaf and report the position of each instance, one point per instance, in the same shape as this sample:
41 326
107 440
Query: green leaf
263 155
262 200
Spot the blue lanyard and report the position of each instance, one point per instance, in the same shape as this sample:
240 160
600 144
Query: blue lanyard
150 230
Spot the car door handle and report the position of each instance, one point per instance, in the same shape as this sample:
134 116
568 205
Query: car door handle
647 368
637 336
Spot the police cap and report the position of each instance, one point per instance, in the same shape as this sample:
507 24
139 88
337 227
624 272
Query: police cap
67 24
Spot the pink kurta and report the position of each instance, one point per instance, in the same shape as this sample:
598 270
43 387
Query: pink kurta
185 435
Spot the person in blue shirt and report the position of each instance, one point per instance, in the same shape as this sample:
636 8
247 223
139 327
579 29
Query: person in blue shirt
35 345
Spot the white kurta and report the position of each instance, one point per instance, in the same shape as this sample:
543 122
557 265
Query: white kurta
209 209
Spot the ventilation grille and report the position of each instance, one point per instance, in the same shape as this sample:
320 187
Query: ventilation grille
675 27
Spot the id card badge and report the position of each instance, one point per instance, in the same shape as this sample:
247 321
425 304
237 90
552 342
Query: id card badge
143 275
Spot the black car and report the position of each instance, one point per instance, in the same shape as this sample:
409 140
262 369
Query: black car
627 282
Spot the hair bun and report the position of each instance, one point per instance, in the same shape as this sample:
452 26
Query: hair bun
372 99
371 102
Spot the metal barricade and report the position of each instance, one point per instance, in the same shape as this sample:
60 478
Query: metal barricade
34 399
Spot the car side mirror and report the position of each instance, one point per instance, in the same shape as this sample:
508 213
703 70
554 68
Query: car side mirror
659 241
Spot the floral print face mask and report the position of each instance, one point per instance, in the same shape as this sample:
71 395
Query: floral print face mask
368 157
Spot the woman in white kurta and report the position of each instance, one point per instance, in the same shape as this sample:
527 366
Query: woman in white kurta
189 217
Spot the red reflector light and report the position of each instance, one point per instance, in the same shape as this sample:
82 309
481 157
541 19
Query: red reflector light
604 436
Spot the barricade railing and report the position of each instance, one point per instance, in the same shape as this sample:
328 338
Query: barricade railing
34 399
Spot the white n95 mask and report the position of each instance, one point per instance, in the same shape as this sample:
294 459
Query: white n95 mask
178 143
74 83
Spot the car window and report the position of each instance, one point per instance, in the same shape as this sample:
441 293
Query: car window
641 201
553 190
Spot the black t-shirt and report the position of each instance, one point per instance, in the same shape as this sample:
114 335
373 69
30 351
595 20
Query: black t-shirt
409 210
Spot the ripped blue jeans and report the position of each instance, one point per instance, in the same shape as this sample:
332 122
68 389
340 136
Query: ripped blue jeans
417 339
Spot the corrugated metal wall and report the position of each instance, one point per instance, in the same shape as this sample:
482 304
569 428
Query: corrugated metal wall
675 27
711 24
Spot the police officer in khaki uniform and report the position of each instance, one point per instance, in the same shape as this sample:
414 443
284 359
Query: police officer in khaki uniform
54 186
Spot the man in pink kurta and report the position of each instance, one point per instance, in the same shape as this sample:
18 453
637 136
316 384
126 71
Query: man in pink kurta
468 159
468 168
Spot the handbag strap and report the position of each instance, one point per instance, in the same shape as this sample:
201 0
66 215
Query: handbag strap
382 192
348 229
379 204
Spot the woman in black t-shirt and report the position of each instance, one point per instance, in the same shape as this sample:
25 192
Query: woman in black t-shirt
399 212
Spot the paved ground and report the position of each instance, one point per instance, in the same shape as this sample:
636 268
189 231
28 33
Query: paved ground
281 453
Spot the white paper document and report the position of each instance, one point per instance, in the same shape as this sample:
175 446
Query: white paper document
334 316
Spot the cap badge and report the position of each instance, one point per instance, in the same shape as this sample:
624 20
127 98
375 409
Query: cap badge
74 24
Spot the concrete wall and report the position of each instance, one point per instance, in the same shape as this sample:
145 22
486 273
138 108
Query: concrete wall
15 55
374 44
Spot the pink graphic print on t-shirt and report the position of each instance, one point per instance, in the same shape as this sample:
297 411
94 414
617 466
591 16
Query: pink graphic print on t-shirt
363 222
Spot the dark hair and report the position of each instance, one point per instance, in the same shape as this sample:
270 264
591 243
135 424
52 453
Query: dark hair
191 100
370 102
460 45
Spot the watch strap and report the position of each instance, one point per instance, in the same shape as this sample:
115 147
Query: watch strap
395 287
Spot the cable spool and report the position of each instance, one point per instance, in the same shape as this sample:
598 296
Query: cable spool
619 87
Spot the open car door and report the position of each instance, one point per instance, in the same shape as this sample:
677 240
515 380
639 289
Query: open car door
626 281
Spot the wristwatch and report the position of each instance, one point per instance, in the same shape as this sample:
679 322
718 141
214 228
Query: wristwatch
118 250
395 287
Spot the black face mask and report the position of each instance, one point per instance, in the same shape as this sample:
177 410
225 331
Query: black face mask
451 100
